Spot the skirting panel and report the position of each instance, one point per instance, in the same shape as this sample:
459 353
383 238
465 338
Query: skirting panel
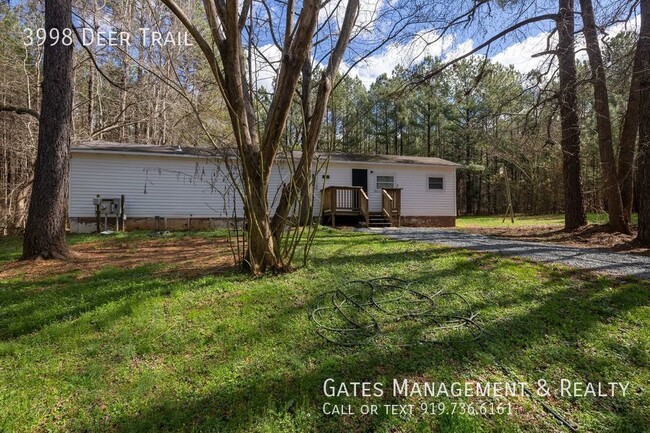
428 221
89 225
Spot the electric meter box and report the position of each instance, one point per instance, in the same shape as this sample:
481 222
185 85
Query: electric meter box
109 207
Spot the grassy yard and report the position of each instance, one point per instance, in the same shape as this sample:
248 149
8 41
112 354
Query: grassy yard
528 220
147 346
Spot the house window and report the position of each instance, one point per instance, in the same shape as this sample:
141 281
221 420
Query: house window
385 182
435 183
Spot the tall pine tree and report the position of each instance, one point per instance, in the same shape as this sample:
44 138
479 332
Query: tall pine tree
45 229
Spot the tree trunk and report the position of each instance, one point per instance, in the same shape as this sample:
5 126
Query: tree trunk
91 108
123 92
45 230
643 173
91 72
301 177
629 134
257 152
428 128
263 247
617 219
306 196
574 212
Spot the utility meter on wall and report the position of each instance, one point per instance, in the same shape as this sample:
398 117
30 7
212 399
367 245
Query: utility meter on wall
109 207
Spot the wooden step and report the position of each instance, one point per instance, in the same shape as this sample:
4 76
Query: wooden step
377 219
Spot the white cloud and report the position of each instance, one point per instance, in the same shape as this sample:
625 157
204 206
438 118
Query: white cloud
520 54
365 24
459 50
266 60
632 25
423 44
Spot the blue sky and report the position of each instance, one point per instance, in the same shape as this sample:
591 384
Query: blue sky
424 37
516 49
421 24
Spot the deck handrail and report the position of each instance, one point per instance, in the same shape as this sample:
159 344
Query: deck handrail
391 204
364 203
387 206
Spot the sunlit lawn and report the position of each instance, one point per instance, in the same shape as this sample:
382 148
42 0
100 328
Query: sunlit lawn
146 350
528 220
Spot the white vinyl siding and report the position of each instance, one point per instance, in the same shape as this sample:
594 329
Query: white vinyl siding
417 198
177 186
154 185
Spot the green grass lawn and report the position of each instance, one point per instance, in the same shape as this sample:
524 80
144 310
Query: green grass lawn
528 220
142 349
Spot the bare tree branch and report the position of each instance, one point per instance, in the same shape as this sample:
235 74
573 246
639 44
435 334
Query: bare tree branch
485 44
20 111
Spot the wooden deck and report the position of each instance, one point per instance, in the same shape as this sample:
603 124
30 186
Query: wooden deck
352 201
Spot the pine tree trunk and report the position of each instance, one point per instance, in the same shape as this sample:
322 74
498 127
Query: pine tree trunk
643 176
574 212
617 219
91 106
45 230
429 129
629 134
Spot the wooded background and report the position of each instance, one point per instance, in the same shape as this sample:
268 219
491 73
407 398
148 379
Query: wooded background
486 116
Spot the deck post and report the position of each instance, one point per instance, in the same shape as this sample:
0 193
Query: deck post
333 206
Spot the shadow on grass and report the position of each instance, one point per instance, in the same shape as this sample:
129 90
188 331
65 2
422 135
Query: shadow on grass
10 248
565 306
568 314
29 306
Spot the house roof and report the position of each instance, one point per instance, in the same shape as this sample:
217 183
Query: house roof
111 147
134 148
390 159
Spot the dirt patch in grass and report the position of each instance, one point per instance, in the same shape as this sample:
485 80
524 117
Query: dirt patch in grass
188 257
592 236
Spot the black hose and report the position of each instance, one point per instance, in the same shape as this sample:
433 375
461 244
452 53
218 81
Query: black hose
353 319
338 306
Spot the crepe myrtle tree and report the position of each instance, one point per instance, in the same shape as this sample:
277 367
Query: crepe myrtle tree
229 28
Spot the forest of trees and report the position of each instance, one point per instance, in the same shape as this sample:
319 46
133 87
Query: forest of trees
491 118
487 117
145 95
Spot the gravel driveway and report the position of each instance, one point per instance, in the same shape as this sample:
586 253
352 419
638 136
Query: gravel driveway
584 258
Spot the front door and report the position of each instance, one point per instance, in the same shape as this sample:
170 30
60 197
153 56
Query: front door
359 178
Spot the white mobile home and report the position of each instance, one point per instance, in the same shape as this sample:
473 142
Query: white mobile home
164 187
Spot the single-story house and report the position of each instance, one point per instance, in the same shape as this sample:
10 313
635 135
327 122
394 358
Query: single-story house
166 187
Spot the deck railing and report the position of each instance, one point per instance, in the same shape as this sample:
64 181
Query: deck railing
364 205
345 200
391 205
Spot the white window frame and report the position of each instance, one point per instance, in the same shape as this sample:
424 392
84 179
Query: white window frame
435 189
377 176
